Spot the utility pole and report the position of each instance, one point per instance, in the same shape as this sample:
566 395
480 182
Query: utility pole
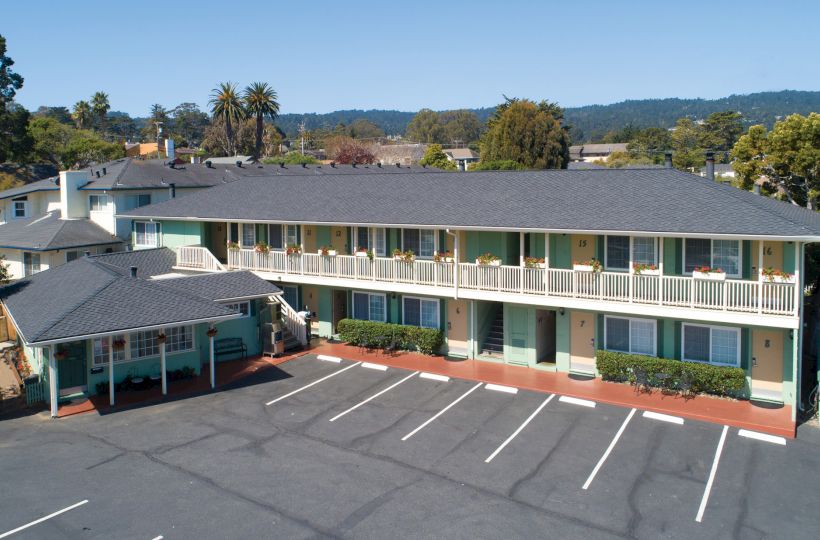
159 134
302 135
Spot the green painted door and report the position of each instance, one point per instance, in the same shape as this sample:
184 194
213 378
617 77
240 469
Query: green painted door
72 369
517 328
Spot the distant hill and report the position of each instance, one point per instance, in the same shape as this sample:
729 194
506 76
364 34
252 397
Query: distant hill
591 122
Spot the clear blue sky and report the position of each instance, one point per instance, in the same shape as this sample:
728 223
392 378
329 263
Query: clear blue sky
323 56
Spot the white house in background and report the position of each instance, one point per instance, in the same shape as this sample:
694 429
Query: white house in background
462 157
594 152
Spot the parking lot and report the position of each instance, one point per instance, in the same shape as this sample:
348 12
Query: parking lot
326 447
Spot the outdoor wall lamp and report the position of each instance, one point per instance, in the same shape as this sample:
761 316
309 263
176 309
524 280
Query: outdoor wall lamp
561 311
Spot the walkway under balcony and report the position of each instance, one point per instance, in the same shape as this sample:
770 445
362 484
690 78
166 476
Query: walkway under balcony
724 301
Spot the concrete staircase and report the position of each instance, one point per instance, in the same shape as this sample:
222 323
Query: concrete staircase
494 342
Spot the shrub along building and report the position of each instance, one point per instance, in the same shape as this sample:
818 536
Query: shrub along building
538 268
128 320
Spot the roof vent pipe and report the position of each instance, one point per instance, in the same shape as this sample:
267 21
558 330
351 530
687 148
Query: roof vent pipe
133 271
710 166
209 164
239 164
667 161
379 164
104 171
756 189
281 164
97 173
304 165
353 164
333 164
398 165
173 190
88 254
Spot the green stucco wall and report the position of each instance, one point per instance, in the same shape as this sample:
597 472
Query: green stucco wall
182 233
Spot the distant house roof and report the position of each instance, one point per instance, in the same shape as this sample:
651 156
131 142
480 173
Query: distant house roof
461 153
47 184
581 165
404 154
85 298
230 160
720 169
595 149
617 200
49 232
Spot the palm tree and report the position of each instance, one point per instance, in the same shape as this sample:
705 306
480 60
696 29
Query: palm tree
260 101
100 107
226 104
82 114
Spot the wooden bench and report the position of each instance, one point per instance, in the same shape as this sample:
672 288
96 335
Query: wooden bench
230 345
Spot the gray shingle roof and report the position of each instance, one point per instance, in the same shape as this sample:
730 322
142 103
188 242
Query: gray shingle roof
47 184
86 297
50 232
633 200
149 262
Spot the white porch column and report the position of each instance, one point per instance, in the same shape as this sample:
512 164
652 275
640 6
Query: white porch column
521 249
110 370
472 330
760 276
53 386
798 288
546 263
162 365
660 270
211 358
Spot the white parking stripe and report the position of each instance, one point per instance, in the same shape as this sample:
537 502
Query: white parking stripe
370 365
762 437
577 401
334 359
434 377
442 411
499 388
712 473
374 396
42 519
663 417
609 449
158 537
520 429
326 377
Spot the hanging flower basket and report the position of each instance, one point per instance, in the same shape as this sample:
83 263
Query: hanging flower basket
361 252
212 332
444 257
118 344
162 338
61 355
261 247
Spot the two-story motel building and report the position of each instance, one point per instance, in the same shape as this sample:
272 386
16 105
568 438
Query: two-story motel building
538 305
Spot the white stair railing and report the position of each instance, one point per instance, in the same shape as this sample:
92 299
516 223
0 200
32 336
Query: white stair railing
198 258
294 321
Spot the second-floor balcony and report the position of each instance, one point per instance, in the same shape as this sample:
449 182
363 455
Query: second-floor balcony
719 300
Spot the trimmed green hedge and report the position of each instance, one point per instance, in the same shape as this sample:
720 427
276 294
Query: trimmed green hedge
379 335
718 380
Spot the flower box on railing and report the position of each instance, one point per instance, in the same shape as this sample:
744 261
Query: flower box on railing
361 254
495 262
770 275
329 252
648 272
583 268
712 275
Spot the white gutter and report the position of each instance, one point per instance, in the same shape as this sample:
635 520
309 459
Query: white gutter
135 329
455 261
666 234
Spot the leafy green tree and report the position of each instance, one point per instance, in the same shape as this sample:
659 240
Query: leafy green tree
364 129
260 101
788 156
100 107
82 114
434 156
189 124
122 127
721 130
10 82
292 158
425 127
86 147
527 132
227 106
461 126
5 277
158 114
61 114
15 141
51 138
688 154
499 165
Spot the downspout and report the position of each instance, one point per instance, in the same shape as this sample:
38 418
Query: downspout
455 262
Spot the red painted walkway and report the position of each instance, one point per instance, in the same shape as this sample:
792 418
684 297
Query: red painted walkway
737 413
741 414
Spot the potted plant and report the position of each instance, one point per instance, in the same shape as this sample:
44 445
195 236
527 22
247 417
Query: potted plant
211 332
398 254
488 259
161 338
706 272
361 252
592 265
535 262
443 257
327 251
233 246
293 249
61 354
640 269
773 275
261 247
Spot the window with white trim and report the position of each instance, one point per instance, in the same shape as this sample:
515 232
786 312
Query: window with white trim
31 263
102 346
291 235
146 233
634 336
242 307
21 207
370 306
723 254
248 235
144 343
275 236
644 250
618 248
98 203
179 338
617 252
372 238
713 344
422 312
422 242
137 201
72 256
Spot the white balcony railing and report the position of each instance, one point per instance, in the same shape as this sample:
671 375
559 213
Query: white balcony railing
198 258
741 296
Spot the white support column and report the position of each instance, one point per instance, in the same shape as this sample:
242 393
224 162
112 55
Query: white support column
660 270
520 249
547 263
163 373
110 370
211 358
53 382
798 288
760 276
473 343
631 287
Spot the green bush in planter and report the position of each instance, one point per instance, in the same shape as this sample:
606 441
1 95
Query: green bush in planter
718 380
378 334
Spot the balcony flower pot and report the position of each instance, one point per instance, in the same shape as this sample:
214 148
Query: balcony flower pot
654 272
494 262
534 262
327 252
361 253
592 265
781 279
770 275
640 269
709 275
448 259
443 257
